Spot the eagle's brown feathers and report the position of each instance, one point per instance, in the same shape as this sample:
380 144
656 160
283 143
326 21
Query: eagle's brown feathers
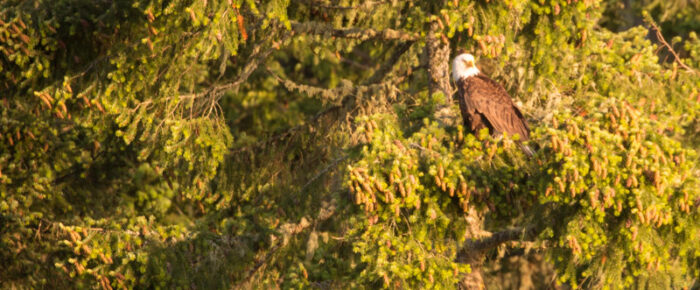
485 104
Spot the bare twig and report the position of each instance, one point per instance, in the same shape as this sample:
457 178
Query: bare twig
663 41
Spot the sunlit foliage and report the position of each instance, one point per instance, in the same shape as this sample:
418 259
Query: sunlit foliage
242 143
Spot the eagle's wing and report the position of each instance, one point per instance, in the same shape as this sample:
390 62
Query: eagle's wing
492 102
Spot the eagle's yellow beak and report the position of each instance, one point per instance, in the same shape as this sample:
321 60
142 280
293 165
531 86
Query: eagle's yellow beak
468 63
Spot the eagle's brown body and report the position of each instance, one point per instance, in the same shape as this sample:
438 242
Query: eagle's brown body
485 104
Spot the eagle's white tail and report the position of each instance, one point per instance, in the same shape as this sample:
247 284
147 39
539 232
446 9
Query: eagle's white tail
528 151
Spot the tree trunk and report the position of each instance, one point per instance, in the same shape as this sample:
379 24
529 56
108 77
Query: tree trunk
475 258
438 54
438 63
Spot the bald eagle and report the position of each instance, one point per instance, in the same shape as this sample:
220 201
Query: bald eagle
484 103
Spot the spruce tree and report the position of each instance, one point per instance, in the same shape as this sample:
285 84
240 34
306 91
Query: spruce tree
316 143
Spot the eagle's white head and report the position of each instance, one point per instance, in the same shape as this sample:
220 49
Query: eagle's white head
463 67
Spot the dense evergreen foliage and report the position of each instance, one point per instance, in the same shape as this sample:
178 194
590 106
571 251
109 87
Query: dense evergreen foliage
315 143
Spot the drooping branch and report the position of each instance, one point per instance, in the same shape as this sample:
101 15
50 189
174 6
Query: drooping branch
61 228
353 33
342 95
474 250
335 95
327 95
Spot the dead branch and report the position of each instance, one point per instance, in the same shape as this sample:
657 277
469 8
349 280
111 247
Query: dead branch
499 238
474 251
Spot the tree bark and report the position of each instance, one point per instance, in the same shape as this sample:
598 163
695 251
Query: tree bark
438 63
438 54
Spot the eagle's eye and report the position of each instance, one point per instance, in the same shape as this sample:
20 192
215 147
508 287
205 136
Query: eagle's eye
468 63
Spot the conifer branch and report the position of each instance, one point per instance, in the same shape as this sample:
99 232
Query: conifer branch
474 251
247 70
340 95
353 33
